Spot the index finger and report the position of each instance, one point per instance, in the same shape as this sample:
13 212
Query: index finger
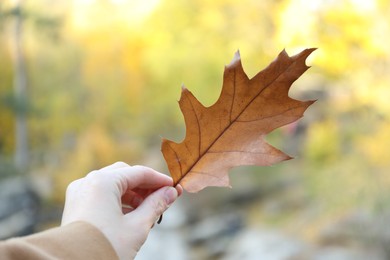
142 177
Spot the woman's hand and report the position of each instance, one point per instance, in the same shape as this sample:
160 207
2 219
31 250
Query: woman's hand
122 201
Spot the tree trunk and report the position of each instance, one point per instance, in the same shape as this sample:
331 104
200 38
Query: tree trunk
21 156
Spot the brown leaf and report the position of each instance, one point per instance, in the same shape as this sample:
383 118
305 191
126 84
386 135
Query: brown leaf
231 132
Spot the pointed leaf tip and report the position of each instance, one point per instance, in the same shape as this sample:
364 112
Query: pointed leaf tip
236 58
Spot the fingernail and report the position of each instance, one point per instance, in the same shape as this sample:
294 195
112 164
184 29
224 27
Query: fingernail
170 195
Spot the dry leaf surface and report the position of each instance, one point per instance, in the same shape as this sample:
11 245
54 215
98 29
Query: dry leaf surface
231 132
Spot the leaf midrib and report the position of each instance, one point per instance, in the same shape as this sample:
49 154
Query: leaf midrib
231 122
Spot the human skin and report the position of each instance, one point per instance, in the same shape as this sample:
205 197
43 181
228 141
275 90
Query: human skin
122 201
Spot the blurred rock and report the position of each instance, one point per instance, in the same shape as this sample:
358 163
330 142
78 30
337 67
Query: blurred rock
215 227
214 234
341 253
360 229
166 240
19 207
264 244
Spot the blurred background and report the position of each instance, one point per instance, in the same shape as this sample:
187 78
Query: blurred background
86 83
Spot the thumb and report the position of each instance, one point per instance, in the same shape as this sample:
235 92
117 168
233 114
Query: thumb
155 205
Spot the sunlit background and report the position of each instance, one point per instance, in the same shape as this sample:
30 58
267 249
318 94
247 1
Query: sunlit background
86 83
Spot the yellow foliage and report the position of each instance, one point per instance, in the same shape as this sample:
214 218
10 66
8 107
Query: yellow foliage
95 149
376 146
344 31
323 145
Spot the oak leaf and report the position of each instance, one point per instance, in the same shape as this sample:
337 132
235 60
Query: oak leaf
231 132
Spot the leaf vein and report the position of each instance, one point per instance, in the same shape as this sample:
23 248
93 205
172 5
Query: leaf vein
221 152
199 128
207 174
177 159
267 117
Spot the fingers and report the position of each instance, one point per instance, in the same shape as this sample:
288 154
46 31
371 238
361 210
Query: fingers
179 189
127 177
116 165
140 177
139 188
132 199
154 205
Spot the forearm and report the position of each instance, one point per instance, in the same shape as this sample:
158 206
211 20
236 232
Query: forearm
78 240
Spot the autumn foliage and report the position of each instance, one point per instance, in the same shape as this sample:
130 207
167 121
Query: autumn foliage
231 132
